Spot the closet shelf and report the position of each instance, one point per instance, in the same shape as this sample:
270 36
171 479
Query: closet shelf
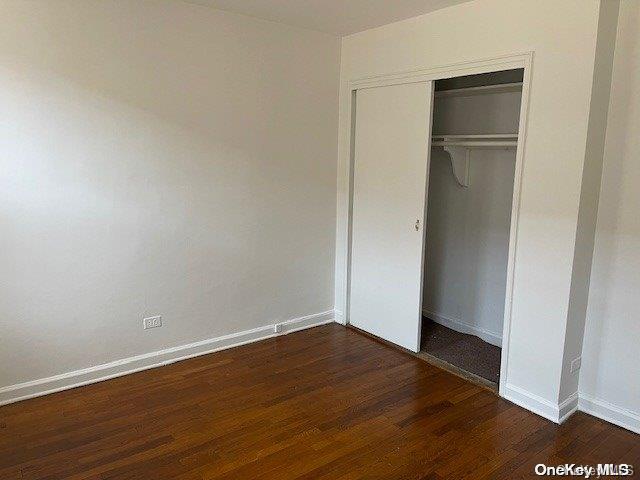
482 90
459 147
484 140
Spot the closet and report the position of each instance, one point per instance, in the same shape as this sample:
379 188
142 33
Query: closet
471 177
433 166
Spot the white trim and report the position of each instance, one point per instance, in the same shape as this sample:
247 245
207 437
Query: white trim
557 413
531 402
568 407
505 62
125 366
340 318
463 327
515 218
611 413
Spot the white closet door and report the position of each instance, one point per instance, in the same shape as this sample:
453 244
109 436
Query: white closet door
392 143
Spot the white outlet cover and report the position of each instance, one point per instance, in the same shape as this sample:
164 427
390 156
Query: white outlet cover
152 322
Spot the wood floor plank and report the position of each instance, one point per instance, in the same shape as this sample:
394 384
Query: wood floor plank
324 403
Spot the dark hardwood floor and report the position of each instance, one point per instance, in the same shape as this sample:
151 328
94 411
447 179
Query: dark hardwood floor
323 403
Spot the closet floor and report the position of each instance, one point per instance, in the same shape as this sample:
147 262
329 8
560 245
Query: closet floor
463 352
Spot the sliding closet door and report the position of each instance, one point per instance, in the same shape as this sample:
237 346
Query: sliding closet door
392 143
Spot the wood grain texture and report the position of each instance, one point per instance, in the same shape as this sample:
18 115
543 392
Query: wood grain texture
325 403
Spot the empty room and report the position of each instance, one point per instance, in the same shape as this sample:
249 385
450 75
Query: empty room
319 239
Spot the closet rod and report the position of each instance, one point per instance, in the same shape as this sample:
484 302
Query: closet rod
476 136
495 143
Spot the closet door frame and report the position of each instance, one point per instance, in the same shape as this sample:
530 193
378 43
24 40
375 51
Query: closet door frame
507 62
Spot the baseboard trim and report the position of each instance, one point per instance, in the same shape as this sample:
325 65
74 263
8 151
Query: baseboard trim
125 366
575 402
568 407
531 402
462 327
610 413
340 317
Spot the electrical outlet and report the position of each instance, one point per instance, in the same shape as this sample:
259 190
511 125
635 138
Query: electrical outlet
277 328
575 364
152 322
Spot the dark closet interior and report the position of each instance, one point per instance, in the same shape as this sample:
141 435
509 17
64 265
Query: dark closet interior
470 193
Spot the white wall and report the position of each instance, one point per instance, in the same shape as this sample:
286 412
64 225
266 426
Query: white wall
158 157
610 374
589 194
467 231
562 36
467 243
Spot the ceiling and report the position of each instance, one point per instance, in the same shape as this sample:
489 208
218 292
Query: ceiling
340 17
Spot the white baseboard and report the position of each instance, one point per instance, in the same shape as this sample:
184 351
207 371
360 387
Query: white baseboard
577 401
531 402
98 373
462 327
557 413
340 317
610 413
568 407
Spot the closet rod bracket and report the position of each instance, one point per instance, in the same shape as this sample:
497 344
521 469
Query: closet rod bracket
459 147
459 157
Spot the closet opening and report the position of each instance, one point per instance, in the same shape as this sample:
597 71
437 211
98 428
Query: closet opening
467 222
